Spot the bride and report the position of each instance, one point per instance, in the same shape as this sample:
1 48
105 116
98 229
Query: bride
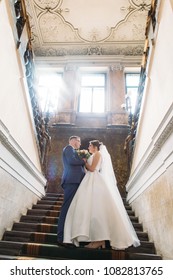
97 212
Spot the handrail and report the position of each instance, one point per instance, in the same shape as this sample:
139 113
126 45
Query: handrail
41 123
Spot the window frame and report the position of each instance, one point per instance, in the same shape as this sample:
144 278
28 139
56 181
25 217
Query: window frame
129 106
47 71
93 72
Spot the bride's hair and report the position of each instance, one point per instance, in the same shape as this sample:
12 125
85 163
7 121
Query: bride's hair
96 143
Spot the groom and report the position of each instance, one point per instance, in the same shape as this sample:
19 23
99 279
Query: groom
73 174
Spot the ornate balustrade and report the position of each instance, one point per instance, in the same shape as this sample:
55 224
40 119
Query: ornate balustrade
41 122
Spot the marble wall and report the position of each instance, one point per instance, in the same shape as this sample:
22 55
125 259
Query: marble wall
15 199
154 208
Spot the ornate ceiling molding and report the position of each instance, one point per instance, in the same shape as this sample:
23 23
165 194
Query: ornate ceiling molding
71 27
122 49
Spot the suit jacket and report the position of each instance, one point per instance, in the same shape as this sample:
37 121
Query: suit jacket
73 166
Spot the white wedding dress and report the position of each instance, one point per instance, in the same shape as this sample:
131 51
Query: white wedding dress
97 211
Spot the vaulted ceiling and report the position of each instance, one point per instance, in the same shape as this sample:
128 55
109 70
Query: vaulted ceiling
62 28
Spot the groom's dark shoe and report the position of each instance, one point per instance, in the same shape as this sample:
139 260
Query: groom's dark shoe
66 245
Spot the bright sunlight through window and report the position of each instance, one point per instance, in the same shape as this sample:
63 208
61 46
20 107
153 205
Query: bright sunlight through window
92 95
49 86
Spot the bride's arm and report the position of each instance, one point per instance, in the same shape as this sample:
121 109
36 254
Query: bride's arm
95 161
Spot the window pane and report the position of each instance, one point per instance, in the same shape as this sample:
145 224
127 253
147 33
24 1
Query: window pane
92 93
98 100
132 83
85 100
93 80
49 86
132 93
132 80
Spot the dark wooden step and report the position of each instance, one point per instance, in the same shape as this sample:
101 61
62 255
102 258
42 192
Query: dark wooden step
49 202
130 212
8 257
54 194
143 236
10 248
145 247
127 207
54 252
52 228
37 237
39 219
47 207
34 227
49 197
41 212
137 226
48 251
17 250
134 219
51 238
142 256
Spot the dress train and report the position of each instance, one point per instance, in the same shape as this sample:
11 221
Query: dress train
97 213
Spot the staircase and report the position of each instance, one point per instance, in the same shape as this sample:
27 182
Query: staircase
35 237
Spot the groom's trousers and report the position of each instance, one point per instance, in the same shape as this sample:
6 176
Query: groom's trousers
69 192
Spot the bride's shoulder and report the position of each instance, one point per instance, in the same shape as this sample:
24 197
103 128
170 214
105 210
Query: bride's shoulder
97 154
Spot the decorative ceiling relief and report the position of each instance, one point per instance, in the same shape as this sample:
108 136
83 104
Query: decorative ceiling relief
92 27
131 30
114 50
54 30
44 4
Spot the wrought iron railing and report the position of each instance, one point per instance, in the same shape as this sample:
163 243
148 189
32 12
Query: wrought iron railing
41 122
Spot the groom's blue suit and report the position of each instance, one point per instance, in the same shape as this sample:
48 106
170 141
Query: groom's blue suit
73 174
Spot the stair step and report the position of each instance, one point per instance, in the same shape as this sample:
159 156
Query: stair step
137 226
39 219
41 212
52 228
51 238
130 212
142 256
48 251
33 227
143 236
12 248
127 207
145 247
134 219
36 237
53 197
49 202
54 252
47 207
8 257
54 193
